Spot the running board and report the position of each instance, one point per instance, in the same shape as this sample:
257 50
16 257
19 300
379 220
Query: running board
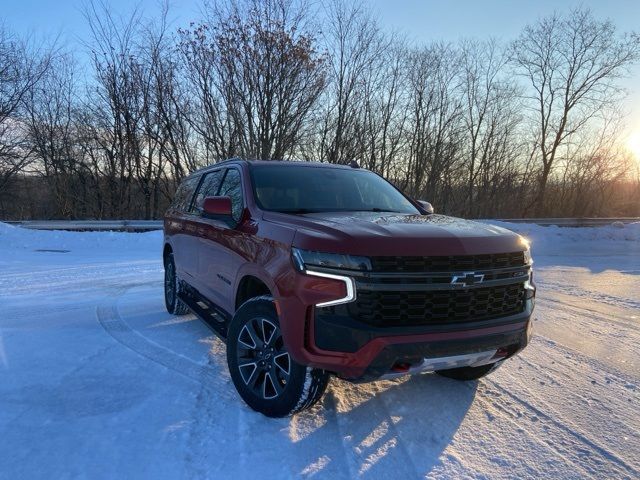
212 315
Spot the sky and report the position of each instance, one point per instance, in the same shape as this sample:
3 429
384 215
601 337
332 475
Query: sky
419 20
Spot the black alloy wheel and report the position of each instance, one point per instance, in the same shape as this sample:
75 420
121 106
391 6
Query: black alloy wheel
264 364
265 375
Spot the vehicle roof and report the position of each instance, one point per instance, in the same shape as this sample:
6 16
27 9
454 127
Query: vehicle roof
272 163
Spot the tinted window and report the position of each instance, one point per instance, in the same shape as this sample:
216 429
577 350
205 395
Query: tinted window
208 188
308 189
232 187
183 196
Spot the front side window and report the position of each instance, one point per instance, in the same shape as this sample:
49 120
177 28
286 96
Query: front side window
183 196
208 188
303 189
232 187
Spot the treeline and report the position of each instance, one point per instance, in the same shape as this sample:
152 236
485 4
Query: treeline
480 128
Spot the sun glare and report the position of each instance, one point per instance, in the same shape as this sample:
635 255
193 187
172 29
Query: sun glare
634 144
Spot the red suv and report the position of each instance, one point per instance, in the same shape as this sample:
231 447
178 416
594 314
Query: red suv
308 270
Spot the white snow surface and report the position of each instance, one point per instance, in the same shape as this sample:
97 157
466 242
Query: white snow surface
98 381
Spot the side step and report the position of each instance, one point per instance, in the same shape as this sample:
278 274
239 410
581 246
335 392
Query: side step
215 318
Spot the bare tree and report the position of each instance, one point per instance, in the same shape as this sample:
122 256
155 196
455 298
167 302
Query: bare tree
356 45
51 135
381 126
435 111
21 67
206 108
571 63
130 106
490 120
269 62
258 73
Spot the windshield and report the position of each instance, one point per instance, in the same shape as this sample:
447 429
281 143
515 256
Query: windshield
303 189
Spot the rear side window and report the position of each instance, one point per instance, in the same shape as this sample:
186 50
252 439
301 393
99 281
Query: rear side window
232 188
182 200
208 188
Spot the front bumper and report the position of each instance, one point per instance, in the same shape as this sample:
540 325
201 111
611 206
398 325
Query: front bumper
402 358
372 353
333 339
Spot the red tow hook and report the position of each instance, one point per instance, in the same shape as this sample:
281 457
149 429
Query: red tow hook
501 352
401 367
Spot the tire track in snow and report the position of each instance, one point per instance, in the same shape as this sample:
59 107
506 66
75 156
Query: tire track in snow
215 387
612 345
588 313
566 441
61 278
604 391
110 319
595 362
622 418
559 450
600 297
77 268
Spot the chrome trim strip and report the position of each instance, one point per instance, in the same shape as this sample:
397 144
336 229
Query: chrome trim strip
522 269
425 287
348 281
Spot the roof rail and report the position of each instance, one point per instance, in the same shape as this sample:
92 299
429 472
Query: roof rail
222 162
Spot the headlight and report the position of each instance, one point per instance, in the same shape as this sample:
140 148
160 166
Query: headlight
527 250
308 262
305 259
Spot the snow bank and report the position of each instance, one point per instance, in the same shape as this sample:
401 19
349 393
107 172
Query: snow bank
17 238
552 239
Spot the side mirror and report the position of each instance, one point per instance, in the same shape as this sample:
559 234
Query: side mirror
217 208
426 206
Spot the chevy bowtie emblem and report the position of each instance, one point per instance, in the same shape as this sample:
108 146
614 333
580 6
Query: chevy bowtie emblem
467 278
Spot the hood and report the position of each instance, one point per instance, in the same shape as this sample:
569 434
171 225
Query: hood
389 234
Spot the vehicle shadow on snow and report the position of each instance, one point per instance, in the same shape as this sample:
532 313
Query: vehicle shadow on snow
394 428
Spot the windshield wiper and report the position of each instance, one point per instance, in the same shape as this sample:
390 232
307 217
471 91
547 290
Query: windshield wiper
299 211
377 210
302 211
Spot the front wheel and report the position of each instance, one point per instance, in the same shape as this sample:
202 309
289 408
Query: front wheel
469 373
263 372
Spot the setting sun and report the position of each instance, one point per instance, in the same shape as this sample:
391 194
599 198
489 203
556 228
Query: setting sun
633 143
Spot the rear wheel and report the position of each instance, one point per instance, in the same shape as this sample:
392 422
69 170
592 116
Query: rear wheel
174 305
263 372
469 373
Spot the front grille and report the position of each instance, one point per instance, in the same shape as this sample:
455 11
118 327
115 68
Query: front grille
451 263
414 308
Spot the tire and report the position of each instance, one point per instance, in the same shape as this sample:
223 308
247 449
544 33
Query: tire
469 373
264 374
174 305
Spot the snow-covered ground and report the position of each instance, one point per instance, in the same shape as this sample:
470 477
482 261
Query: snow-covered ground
98 381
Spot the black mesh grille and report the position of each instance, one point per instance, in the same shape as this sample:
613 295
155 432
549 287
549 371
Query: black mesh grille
452 263
413 308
